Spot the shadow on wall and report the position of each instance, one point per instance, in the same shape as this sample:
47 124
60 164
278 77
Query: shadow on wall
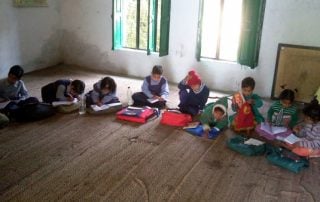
76 51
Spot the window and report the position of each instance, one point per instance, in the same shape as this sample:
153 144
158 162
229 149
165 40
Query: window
142 25
230 30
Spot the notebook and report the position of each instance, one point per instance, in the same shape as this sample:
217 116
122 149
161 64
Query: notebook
273 130
291 139
105 106
58 103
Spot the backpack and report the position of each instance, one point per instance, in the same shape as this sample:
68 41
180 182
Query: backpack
175 118
244 119
137 114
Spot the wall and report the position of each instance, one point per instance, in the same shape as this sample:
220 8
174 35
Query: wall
86 28
29 36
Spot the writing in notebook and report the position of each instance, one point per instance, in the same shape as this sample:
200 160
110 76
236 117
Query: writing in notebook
273 130
105 106
153 100
58 103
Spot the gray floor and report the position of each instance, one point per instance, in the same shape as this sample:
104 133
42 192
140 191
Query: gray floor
97 158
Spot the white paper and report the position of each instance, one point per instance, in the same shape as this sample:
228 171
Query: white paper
272 129
104 107
58 103
4 104
253 141
291 139
153 100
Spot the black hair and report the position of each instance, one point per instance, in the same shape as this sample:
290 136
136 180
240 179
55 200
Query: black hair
157 69
78 86
17 71
248 82
287 94
312 110
109 83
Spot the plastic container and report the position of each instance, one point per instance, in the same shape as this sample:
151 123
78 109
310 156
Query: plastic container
82 105
129 96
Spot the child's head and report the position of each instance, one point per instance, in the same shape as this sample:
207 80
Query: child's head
77 87
218 112
156 72
312 112
194 80
15 74
286 97
108 85
247 86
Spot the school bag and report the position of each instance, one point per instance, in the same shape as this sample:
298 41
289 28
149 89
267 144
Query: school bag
175 118
238 144
137 114
244 119
30 110
286 159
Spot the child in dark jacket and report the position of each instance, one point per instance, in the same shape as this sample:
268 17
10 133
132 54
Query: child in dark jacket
154 87
193 94
62 90
104 92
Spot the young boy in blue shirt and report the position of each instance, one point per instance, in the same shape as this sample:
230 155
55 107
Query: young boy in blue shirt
62 90
154 86
193 94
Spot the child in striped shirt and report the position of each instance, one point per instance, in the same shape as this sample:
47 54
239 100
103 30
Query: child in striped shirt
283 112
309 131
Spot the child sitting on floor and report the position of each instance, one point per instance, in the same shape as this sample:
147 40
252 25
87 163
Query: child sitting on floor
193 94
154 87
283 112
247 102
104 92
214 117
309 131
62 90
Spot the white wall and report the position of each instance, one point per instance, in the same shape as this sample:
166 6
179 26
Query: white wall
86 28
29 36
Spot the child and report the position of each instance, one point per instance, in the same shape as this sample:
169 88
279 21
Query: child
62 90
21 107
214 117
104 92
154 86
309 131
13 87
193 94
283 112
246 95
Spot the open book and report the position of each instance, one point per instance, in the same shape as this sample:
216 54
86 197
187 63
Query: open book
105 106
4 104
58 103
272 130
291 139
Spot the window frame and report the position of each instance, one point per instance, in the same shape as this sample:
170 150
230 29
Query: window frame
117 26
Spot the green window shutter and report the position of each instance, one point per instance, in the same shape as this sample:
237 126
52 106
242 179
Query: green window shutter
152 26
252 20
164 27
116 24
199 34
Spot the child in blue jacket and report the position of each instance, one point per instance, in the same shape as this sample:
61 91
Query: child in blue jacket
193 94
154 86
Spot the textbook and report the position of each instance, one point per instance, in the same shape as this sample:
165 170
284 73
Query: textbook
272 130
58 103
291 139
105 106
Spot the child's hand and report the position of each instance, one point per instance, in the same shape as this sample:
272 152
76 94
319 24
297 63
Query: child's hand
250 101
296 129
99 103
70 97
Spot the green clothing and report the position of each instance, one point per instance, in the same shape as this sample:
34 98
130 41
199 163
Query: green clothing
257 103
278 115
207 118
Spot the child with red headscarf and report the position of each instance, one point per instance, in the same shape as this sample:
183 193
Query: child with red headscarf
193 94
